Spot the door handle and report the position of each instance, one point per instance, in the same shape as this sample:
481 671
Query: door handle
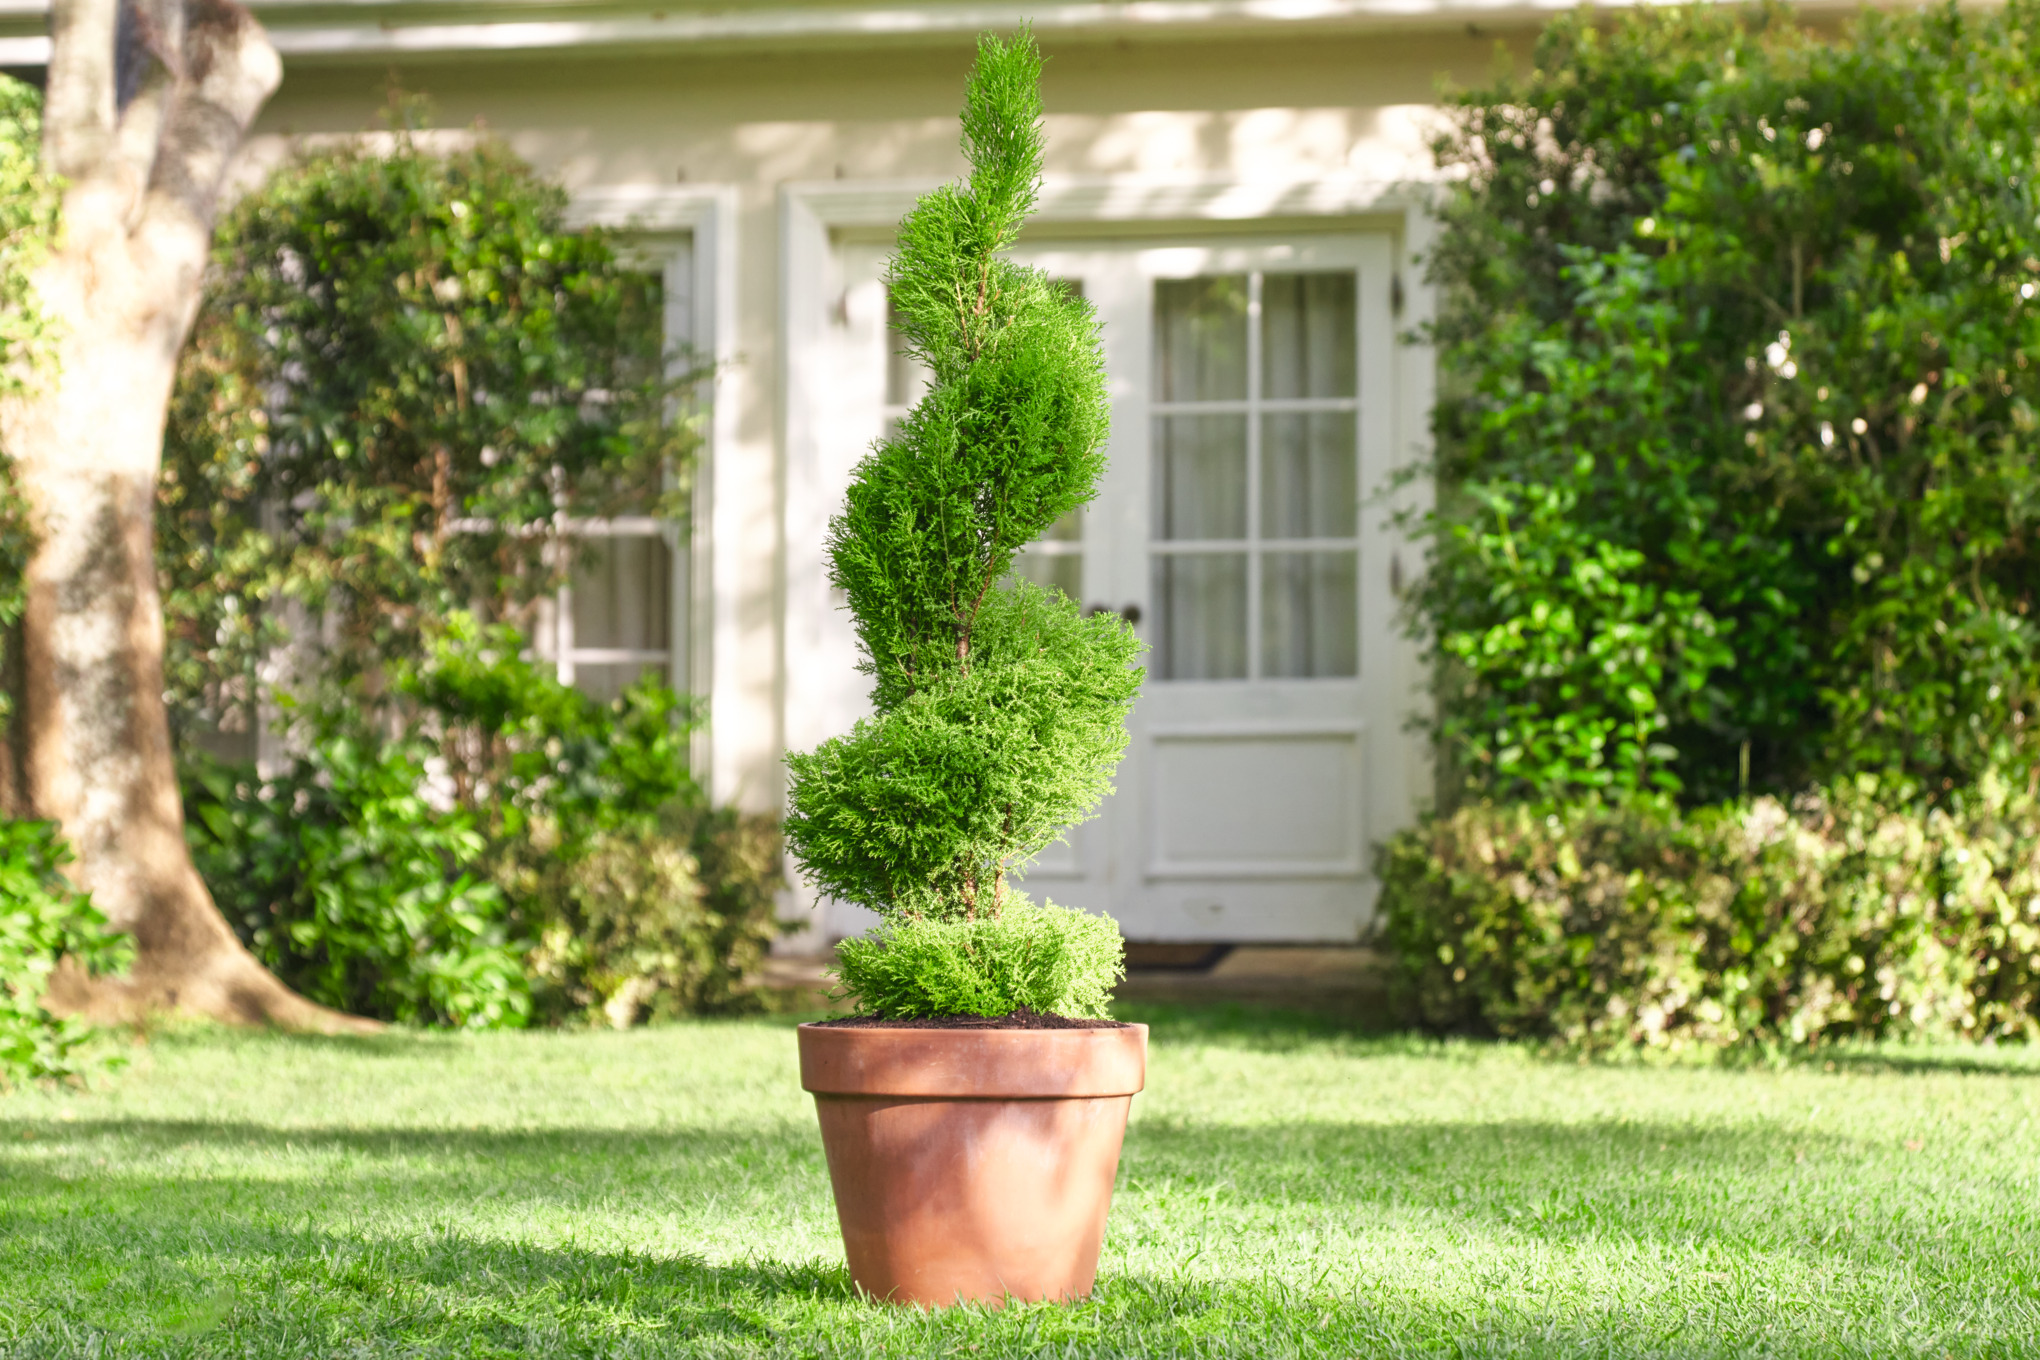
1129 612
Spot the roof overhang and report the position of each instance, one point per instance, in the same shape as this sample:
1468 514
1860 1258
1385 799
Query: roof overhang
340 31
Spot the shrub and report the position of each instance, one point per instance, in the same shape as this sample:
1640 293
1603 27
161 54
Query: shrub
1608 925
543 855
641 899
354 889
1000 710
44 920
1043 959
657 920
406 372
1736 448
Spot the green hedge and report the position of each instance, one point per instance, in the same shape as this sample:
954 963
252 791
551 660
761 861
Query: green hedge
1737 485
1603 926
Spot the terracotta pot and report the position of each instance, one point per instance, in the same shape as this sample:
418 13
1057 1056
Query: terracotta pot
972 1164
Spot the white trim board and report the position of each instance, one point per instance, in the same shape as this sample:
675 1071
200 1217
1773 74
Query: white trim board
338 31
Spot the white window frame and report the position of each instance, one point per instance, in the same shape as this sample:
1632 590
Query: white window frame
689 232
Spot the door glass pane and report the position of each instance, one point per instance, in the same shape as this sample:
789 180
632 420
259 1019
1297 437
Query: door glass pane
1308 324
1068 529
1309 474
1201 338
1057 559
1201 624
1200 477
623 593
1061 571
1310 624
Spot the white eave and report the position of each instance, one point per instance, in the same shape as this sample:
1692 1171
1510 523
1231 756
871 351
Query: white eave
332 31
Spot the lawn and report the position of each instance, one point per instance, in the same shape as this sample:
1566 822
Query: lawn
1286 1190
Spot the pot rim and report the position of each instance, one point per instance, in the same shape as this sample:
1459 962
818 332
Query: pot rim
973 1064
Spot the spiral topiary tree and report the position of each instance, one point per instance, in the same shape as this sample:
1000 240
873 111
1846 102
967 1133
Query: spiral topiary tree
1000 708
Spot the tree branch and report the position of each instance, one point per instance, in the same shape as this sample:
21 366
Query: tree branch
230 69
78 109
148 67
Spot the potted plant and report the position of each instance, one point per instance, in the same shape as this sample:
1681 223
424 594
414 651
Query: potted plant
972 1109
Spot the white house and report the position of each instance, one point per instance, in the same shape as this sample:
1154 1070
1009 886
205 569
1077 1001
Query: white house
1239 186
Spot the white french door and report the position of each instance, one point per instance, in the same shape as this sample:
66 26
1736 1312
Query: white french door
1252 411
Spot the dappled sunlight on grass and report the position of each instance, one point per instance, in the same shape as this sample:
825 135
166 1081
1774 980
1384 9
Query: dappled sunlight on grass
1288 1188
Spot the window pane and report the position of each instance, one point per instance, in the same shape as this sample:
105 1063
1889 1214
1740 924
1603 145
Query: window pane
1200 477
604 682
622 593
1201 338
1307 336
1201 616
1063 571
1309 474
1068 529
1310 615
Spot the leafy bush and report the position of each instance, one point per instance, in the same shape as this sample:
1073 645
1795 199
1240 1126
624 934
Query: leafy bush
1736 455
354 889
523 851
1049 960
407 374
641 899
657 920
28 219
44 920
407 371
1000 710
1605 925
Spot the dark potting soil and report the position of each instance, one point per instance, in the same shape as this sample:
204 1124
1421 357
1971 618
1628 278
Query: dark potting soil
1020 1019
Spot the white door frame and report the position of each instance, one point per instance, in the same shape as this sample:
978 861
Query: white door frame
819 648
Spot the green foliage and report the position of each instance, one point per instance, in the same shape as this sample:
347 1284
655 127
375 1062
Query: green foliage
1635 925
916 810
538 759
354 889
1000 710
1048 959
406 370
1736 457
524 852
28 222
408 373
657 920
44 919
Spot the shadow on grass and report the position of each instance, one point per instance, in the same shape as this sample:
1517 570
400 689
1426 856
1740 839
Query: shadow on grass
1266 1029
227 1244
1552 1180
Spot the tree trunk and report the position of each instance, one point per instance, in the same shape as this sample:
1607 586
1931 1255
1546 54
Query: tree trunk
146 103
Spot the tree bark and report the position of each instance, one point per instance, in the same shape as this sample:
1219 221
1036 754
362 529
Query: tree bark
146 103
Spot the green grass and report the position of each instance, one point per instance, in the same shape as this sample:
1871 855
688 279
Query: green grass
1286 1190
